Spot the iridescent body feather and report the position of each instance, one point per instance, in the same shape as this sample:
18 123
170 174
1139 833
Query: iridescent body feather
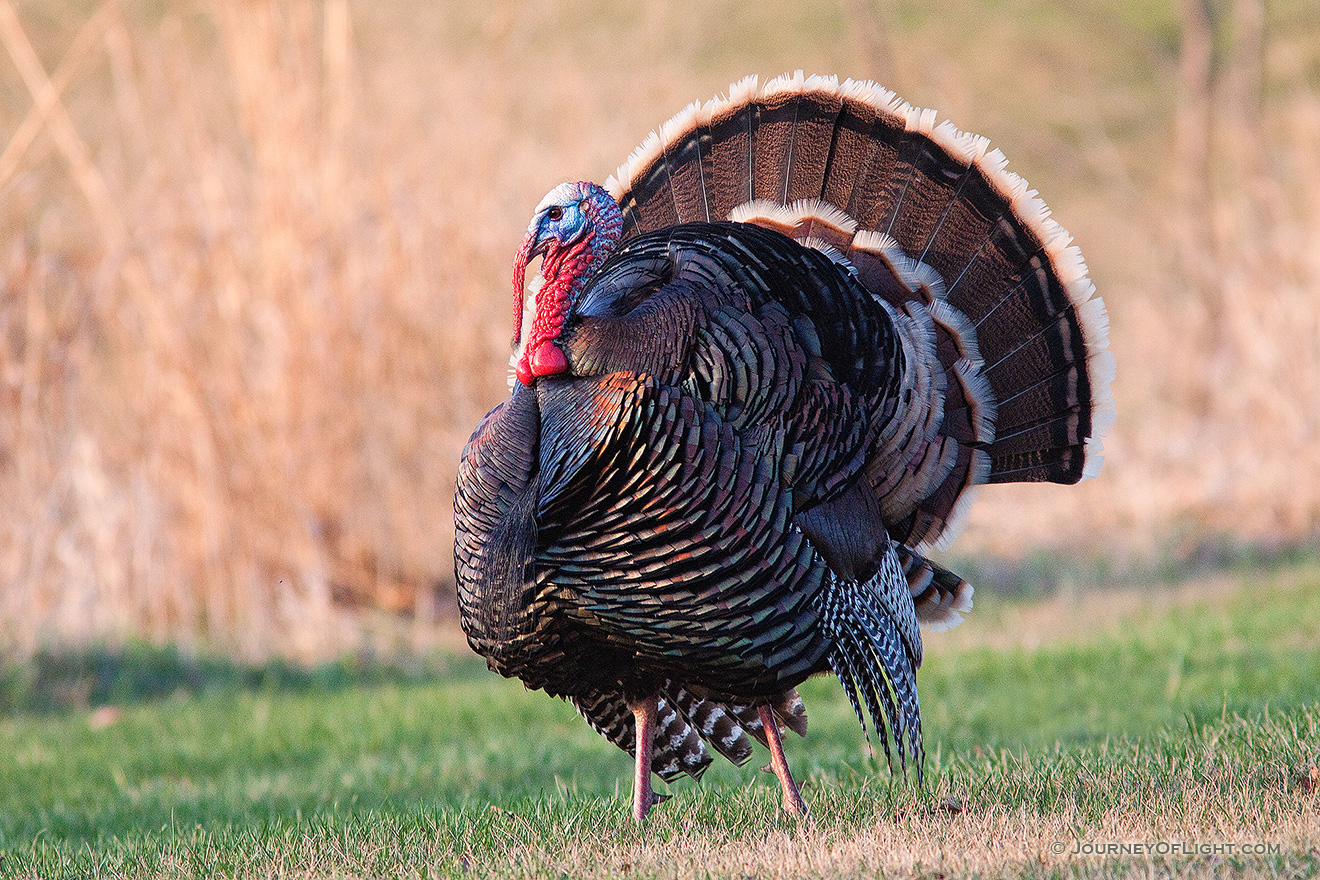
731 441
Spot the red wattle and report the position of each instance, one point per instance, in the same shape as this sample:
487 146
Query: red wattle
548 360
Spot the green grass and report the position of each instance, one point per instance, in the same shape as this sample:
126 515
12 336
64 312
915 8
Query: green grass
1190 723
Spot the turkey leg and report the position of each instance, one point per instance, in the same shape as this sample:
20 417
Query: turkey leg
792 804
643 797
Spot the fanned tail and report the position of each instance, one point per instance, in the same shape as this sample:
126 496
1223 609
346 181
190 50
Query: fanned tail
1004 332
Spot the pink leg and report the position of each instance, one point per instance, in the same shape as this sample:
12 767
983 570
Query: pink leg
792 804
643 797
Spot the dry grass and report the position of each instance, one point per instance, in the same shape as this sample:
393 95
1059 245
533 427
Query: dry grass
254 258
995 843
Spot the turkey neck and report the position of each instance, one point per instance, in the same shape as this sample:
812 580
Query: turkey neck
565 270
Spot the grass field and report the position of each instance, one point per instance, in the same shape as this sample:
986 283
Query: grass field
1182 716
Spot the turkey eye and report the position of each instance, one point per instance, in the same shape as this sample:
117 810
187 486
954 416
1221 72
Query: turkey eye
555 212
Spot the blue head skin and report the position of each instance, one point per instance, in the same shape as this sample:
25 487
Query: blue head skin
575 228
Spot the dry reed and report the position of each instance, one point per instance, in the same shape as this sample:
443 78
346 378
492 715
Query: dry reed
253 294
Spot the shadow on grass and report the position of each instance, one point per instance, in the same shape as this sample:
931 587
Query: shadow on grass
70 679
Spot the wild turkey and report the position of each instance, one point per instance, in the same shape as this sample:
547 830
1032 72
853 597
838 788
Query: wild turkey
765 367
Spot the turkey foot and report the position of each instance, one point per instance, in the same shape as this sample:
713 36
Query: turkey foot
792 803
643 797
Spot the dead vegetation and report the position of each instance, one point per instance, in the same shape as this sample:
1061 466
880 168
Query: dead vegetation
995 842
254 257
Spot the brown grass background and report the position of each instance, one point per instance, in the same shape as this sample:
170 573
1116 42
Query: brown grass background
254 268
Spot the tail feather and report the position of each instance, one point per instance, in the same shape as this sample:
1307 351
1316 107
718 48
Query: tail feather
813 139
933 217
683 161
686 724
939 596
648 203
788 709
866 200
968 220
940 515
867 112
773 145
677 748
921 187
721 726
1037 401
732 123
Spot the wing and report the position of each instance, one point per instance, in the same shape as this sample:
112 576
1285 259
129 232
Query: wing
776 338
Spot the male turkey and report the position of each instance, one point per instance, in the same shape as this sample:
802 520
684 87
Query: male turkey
765 366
